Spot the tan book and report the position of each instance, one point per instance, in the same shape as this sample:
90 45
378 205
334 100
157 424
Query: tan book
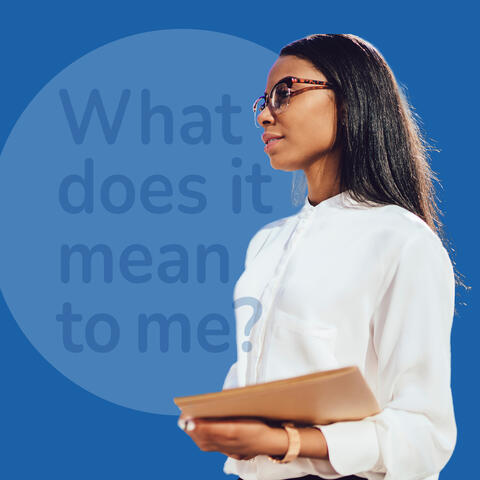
317 398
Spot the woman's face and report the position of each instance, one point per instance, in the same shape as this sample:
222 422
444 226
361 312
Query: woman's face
308 124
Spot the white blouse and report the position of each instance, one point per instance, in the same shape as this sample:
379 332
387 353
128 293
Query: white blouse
342 283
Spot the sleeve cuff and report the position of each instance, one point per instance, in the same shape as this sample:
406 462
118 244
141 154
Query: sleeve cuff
352 446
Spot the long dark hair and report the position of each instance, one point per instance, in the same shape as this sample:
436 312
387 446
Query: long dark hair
384 155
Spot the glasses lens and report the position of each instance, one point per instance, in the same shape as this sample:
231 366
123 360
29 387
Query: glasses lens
258 107
280 97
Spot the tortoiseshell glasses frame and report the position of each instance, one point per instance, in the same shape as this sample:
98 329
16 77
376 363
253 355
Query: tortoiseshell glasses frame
280 94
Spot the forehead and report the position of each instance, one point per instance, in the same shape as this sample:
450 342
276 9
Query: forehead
289 65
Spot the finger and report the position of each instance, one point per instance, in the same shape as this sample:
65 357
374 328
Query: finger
183 420
190 425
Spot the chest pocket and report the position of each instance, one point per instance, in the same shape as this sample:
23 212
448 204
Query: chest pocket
299 347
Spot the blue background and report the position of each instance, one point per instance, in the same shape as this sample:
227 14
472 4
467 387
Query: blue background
52 428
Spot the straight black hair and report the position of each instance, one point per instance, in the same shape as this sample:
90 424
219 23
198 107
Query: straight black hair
384 155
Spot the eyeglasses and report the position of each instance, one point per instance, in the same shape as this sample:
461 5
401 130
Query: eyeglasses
280 95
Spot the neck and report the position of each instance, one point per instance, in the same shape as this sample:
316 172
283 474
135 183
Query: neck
323 179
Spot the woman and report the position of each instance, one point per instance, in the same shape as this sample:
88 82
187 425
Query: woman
359 276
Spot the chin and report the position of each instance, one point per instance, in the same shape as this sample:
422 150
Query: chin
285 166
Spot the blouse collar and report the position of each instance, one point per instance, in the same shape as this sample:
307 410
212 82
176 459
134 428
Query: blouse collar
341 198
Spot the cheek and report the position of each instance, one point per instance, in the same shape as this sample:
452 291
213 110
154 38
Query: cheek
326 131
313 122
325 120
317 129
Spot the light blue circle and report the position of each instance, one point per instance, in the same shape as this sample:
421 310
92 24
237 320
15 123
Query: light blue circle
144 180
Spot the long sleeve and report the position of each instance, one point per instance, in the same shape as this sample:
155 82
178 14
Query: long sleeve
414 435
254 245
231 380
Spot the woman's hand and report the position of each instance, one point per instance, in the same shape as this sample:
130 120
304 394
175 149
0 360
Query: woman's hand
241 439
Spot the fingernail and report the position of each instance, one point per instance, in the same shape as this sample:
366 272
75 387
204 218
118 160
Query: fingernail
181 423
190 425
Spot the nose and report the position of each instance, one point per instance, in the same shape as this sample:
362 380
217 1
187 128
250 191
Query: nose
265 116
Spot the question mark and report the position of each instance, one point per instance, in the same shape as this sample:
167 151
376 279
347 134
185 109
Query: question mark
257 312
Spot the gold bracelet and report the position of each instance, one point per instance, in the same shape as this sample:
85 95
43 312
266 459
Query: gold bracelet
293 444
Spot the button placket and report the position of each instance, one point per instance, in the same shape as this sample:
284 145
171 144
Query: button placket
272 288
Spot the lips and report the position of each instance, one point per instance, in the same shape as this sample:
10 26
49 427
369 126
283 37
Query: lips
272 144
268 136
